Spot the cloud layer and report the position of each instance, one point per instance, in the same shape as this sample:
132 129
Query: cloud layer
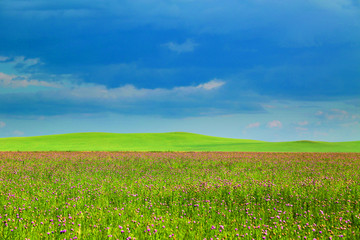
63 98
14 81
253 43
185 59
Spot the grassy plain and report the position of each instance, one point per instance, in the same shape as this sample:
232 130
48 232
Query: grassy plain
198 195
175 141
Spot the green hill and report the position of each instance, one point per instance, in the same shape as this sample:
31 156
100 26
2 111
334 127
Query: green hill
174 141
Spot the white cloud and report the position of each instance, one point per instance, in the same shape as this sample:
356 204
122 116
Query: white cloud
339 118
274 124
216 83
131 92
15 81
3 58
187 46
336 115
27 62
213 84
68 90
85 98
253 125
2 124
102 92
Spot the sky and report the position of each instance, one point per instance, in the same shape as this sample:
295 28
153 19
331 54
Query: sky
268 70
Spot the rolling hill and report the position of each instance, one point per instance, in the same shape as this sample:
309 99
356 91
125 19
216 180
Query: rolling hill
173 141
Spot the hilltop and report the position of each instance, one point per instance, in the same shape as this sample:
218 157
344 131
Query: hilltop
172 141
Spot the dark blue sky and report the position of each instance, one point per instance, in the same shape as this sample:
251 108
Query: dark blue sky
268 70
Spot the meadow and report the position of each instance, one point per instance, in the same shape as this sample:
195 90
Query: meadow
173 141
188 195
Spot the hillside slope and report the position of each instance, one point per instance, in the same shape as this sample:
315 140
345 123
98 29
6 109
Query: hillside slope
174 141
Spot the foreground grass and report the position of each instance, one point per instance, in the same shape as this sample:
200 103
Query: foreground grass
176 141
82 195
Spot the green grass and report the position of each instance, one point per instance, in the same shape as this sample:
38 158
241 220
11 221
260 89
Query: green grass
179 195
174 141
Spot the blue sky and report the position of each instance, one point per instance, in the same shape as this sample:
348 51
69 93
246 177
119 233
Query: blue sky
268 70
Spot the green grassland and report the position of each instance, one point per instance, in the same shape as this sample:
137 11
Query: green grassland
174 141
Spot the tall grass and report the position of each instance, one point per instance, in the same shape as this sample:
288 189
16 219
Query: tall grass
129 195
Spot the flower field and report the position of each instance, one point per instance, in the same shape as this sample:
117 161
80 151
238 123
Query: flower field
194 195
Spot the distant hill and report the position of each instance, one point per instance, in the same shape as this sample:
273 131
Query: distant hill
173 141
